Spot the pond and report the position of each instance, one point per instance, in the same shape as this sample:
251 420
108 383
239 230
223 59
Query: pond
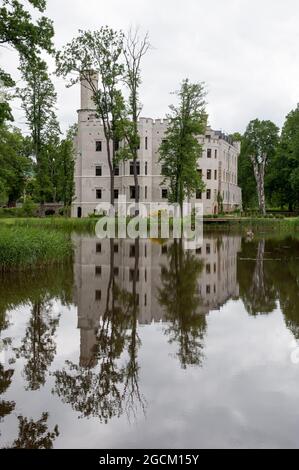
140 344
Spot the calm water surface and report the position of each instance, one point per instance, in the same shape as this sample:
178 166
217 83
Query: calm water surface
143 344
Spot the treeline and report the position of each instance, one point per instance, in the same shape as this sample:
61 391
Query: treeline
38 167
269 164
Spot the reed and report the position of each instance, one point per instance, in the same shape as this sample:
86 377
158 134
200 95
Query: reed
31 247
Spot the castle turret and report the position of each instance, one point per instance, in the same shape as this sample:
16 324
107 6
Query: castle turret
89 84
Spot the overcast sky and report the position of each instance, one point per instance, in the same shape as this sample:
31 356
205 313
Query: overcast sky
246 51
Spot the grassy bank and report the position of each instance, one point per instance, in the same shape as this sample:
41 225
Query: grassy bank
256 224
56 223
26 247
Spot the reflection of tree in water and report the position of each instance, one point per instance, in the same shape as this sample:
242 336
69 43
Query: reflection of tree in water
272 276
35 434
106 392
256 287
6 407
180 298
38 347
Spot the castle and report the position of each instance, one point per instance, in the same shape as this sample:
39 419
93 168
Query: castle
218 166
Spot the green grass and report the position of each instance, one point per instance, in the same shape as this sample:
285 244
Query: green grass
57 223
28 247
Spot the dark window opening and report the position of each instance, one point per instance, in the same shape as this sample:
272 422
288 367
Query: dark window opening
132 168
164 193
98 146
99 194
99 248
209 174
116 170
98 270
209 153
116 194
98 170
98 295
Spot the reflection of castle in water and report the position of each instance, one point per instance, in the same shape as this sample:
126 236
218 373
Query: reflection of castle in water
217 282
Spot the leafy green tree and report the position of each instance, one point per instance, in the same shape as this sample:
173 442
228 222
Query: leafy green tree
15 165
180 150
38 101
99 53
29 37
65 169
283 180
259 145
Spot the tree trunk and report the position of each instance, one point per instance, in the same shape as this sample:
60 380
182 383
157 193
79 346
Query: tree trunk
259 173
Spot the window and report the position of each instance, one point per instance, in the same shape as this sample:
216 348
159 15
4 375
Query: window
198 194
199 172
116 271
209 153
98 295
99 194
164 193
198 251
132 251
164 250
98 170
208 194
116 170
116 193
145 169
98 145
132 192
209 174
145 192
208 289
99 248
132 275
115 248
208 269
98 270
216 153
116 145
208 248
132 168
146 141
145 300
215 174
164 169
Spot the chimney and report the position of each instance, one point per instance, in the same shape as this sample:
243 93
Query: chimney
89 84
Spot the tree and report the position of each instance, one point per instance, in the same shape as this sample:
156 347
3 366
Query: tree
180 149
38 102
27 36
283 179
65 169
15 165
6 82
259 145
134 50
99 53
